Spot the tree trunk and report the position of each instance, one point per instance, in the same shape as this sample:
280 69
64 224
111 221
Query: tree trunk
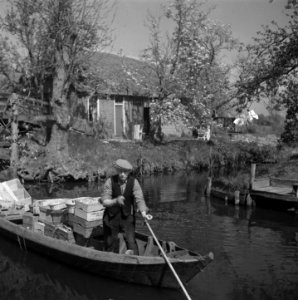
157 133
58 145
14 155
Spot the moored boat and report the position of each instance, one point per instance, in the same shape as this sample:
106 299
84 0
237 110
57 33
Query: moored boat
148 268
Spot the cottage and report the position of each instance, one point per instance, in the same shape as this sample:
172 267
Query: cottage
124 116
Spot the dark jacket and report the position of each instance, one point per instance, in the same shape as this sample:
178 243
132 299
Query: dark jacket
128 207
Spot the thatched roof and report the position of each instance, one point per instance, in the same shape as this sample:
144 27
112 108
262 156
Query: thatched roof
114 74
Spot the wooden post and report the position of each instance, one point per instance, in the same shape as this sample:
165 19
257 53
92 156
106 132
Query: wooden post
51 177
248 200
295 189
237 197
237 211
248 214
208 205
252 175
14 155
209 186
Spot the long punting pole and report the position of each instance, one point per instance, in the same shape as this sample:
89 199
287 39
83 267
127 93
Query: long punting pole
167 260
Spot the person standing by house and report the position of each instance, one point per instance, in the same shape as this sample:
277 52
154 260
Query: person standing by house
121 195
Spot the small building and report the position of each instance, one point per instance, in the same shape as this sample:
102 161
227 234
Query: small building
112 116
124 116
117 107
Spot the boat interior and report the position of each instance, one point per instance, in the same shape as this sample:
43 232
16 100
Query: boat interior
146 244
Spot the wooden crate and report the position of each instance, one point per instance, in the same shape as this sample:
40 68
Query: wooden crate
85 223
54 204
88 204
60 232
87 232
89 216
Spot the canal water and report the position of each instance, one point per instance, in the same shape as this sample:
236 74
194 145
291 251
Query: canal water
256 250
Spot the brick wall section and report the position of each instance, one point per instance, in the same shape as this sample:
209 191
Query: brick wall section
107 114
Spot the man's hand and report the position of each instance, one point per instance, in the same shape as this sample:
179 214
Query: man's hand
120 200
146 216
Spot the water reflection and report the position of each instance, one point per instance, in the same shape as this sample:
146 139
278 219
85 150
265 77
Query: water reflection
255 243
255 249
170 188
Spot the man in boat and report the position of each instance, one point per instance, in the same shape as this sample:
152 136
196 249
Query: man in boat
122 194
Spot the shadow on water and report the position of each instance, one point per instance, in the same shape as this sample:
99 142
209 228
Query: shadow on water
256 250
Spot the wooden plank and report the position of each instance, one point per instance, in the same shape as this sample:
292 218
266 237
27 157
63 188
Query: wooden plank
261 182
282 191
28 107
274 195
282 182
274 189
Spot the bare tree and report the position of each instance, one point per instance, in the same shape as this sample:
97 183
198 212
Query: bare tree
185 63
58 37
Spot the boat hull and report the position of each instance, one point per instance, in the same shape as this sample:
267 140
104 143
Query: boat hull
152 271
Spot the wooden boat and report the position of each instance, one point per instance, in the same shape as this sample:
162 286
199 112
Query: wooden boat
148 268
276 193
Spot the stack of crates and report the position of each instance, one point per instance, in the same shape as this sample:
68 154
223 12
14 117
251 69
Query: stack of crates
53 214
88 217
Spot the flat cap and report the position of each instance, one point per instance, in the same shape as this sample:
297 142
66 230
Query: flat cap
122 164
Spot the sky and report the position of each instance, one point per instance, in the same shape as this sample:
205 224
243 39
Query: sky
244 16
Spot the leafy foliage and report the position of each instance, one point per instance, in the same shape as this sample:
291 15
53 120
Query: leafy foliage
271 60
271 67
185 64
290 134
10 66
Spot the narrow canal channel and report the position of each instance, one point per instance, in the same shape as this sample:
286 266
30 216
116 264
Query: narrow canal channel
256 250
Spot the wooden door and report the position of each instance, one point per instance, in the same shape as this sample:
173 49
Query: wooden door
119 120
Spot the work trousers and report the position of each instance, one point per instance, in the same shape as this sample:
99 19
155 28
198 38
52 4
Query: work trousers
114 225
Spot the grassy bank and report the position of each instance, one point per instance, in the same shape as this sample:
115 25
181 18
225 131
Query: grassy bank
90 158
